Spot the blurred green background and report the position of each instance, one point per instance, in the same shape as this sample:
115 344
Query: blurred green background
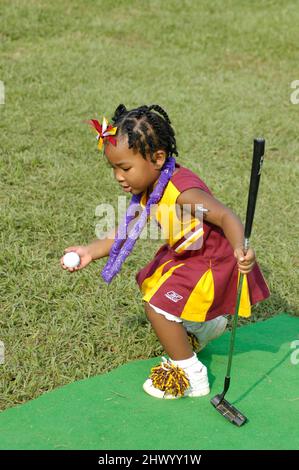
222 70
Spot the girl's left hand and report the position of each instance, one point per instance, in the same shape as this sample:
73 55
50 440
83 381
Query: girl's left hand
245 262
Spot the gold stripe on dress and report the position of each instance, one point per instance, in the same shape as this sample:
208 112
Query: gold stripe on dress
200 299
153 283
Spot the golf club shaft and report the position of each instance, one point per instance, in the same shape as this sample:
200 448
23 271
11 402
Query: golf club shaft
257 161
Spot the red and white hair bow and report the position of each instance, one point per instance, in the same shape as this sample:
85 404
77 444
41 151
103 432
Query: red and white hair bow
105 131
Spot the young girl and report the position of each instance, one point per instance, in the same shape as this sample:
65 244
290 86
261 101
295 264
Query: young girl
192 280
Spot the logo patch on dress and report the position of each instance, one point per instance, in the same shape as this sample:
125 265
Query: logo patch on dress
173 296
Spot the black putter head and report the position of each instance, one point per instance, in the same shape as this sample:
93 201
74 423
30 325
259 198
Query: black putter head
228 411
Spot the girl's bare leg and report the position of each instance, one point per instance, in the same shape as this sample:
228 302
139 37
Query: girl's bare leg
172 335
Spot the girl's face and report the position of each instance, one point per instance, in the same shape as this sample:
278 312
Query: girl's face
133 173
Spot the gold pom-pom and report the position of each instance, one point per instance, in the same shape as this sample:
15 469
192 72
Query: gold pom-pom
193 341
169 378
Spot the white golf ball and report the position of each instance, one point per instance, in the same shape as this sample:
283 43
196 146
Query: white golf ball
71 259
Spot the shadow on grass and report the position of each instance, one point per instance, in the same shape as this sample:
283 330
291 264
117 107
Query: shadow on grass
264 338
266 375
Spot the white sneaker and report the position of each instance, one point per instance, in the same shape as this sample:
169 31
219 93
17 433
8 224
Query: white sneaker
149 388
198 382
206 331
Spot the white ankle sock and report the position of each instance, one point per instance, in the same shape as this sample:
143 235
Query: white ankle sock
186 363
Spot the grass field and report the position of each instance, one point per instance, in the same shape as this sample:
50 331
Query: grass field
222 70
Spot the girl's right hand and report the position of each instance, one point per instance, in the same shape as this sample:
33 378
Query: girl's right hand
85 257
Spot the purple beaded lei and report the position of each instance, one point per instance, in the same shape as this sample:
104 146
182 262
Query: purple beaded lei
123 246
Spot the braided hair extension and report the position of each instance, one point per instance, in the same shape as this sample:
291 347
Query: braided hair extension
148 129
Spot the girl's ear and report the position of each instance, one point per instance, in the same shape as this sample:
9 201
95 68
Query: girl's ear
159 158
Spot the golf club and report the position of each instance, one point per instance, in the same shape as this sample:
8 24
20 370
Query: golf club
225 408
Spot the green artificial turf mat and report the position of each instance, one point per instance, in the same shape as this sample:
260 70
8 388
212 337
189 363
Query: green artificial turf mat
111 411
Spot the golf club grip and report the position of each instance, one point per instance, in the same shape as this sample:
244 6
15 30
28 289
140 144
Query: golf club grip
256 168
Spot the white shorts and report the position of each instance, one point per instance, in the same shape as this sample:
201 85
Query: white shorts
167 315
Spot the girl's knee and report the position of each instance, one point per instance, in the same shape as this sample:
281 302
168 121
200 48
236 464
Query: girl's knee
149 311
158 318
153 317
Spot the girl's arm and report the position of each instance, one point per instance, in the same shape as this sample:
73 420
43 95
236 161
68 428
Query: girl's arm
95 250
88 253
101 248
220 215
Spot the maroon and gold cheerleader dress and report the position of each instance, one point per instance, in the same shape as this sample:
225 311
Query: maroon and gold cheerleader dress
194 275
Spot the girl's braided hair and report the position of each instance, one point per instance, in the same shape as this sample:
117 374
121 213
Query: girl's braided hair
148 129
